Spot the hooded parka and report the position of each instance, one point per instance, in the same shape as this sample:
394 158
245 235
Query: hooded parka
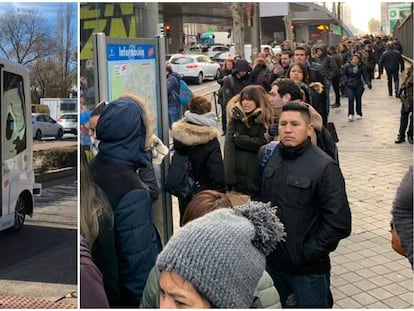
124 130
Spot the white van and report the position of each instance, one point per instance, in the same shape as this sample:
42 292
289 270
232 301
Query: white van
17 178
248 51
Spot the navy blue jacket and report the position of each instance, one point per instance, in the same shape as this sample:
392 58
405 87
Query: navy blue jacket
173 86
122 133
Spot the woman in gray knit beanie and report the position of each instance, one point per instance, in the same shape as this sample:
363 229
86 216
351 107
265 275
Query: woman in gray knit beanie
217 260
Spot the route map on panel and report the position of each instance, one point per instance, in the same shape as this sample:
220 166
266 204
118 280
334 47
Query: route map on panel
132 68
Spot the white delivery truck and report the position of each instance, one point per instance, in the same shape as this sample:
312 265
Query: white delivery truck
57 106
17 178
216 37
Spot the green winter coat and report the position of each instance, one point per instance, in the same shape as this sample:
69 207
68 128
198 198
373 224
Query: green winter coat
242 144
265 293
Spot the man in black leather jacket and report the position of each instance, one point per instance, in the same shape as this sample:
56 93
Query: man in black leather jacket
309 190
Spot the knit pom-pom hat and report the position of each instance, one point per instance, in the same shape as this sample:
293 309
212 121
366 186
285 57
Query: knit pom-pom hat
223 254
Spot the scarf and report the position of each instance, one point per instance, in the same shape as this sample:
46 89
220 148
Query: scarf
207 119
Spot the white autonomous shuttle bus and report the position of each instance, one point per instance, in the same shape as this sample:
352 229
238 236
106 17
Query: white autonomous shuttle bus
17 176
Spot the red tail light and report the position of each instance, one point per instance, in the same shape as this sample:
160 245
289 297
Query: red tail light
191 66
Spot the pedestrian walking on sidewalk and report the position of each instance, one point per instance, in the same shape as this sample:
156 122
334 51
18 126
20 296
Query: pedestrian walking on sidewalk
308 188
355 76
392 61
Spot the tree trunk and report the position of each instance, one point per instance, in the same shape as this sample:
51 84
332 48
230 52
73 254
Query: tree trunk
239 12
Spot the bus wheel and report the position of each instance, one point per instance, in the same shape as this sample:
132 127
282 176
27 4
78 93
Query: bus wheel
38 135
19 215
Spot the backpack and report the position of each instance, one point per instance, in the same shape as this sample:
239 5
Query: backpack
185 94
269 150
180 181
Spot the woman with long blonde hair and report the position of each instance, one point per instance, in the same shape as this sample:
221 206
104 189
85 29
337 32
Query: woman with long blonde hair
97 230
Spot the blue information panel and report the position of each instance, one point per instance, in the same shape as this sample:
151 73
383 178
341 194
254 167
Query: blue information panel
132 68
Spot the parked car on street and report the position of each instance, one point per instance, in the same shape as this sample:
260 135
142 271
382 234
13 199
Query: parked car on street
196 49
214 49
69 122
45 126
221 57
195 67
168 58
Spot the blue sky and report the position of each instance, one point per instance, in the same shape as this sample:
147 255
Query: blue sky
47 10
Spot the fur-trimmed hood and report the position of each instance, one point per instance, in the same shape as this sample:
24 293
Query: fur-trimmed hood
235 111
125 130
192 134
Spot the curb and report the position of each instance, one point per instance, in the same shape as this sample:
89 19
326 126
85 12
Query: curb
55 174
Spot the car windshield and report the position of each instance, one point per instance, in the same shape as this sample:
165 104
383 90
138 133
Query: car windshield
181 60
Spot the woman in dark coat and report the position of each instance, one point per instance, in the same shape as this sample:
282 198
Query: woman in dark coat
355 76
249 115
197 135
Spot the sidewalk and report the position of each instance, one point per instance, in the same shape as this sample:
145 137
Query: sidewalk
366 272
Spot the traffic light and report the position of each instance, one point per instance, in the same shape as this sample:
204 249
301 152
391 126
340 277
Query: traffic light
167 29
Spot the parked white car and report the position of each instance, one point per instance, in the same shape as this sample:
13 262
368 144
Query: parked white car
44 126
215 49
196 67
69 122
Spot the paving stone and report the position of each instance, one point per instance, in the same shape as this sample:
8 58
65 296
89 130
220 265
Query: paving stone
364 299
347 303
397 303
351 277
349 289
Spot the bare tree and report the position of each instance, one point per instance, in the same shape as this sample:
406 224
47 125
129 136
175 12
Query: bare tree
239 12
24 37
54 76
65 48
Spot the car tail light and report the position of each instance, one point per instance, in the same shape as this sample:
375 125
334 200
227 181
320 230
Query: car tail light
191 66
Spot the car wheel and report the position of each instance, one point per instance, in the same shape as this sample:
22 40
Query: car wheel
38 135
217 74
59 134
200 78
19 215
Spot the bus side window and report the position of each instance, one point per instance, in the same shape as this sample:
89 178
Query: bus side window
9 126
15 123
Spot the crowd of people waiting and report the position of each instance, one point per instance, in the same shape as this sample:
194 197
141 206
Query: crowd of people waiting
272 251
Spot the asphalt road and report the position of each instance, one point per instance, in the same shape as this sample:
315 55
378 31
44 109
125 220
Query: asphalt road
40 261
